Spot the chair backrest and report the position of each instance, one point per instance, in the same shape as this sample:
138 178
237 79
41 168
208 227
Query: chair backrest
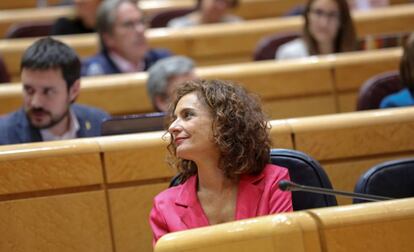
304 170
376 88
266 47
393 179
4 74
32 29
162 18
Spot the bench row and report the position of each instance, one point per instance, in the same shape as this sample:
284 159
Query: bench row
95 194
222 43
302 87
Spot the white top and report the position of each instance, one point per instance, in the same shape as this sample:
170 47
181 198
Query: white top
188 21
47 135
292 50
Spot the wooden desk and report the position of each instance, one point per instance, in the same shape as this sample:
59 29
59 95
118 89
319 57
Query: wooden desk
382 226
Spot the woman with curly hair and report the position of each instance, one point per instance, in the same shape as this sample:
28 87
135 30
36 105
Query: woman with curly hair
220 144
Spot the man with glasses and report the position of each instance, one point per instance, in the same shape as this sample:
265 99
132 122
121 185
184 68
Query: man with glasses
124 48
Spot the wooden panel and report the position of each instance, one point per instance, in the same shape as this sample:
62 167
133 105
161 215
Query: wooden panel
135 157
127 93
75 222
300 106
52 165
130 214
358 134
351 74
381 226
283 232
347 101
281 134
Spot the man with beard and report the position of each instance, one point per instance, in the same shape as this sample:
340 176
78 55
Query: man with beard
50 73
124 49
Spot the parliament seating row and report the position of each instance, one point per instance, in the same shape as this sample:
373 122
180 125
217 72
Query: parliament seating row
302 87
221 43
380 226
94 194
248 9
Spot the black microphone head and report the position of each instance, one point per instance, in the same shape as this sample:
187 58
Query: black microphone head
284 185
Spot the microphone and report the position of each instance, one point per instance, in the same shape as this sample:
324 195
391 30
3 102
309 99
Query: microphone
286 185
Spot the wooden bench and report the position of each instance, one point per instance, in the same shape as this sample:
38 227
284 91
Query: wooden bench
380 226
291 88
222 43
248 9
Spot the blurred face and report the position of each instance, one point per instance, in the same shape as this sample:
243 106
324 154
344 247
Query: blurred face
46 98
214 10
192 129
323 19
173 83
86 10
127 38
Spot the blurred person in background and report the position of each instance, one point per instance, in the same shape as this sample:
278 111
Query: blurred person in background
208 12
165 76
328 29
83 22
124 48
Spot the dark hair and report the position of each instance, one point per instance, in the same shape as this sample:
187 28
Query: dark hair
233 4
240 128
407 64
48 53
345 40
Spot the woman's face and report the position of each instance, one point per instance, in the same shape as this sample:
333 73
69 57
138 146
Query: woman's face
192 129
324 18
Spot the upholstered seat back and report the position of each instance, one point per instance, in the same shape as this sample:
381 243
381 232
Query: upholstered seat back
393 179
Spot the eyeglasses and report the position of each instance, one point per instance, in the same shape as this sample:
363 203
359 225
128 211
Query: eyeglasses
132 24
330 15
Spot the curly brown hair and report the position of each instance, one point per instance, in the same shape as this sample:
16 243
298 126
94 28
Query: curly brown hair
240 128
407 64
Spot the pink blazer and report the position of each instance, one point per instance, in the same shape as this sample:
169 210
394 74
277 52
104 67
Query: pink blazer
178 208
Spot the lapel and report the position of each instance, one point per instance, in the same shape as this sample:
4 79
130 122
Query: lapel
24 132
188 207
249 195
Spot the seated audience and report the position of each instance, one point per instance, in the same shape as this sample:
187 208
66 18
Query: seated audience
50 73
405 97
124 48
83 22
208 12
328 29
219 141
165 76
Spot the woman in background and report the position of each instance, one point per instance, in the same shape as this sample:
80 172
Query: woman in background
220 144
208 12
328 29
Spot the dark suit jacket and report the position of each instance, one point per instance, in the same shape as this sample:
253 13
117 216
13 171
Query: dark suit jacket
101 63
15 128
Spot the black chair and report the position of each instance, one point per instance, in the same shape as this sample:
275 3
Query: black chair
266 47
376 88
394 179
29 29
4 74
303 170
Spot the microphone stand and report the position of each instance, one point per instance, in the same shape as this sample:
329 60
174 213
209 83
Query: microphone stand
285 185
